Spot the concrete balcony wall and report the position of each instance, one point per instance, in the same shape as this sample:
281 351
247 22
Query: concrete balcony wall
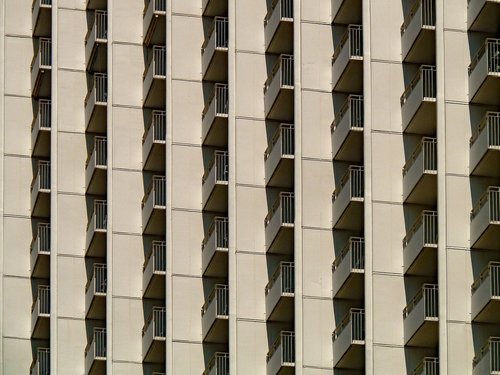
280 295
278 28
41 129
346 12
215 116
483 15
348 349
418 34
212 8
485 147
347 65
154 81
420 246
484 74
215 250
279 230
348 271
485 221
215 316
348 202
486 295
279 158
96 44
278 95
421 321
154 23
347 131
214 52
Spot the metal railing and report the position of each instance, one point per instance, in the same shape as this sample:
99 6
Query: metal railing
284 135
428 146
355 245
159 255
285 7
428 366
428 14
99 341
42 176
286 342
157 126
42 3
429 221
44 114
220 226
220 162
492 347
491 122
43 53
426 73
43 299
284 66
219 362
491 197
285 205
491 48
99 88
353 37
220 294
356 317
221 30
492 271
100 277
158 59
158 318
41 242
355 177
101 26
160 6
158 189
221 97
100 150
287 272
429 294
353 106
42 360
100 214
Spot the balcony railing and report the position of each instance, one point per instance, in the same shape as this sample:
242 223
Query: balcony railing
157 126
428 366
353 39
218 365
157 62
43 116
158 256
41 363
40 129
427 75
285 136
41 181
428 149
158 321
98 90
154 22
491 349
278 27
157 192
490 123
158 6
219 295
490 48
491 198
99 279
429 294
428 14
220 32
43 54
285 8
98 152
491 273
97 346
219 228
285 207
285 343
428 222
356 248
42 301
286 274
99 216
220 165
99 27
352 107
284 70
355 317
355 178
220 99
41 242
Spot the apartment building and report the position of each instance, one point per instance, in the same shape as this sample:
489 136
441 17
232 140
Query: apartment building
250 187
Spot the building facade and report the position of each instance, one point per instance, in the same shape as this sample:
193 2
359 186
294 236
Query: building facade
250 187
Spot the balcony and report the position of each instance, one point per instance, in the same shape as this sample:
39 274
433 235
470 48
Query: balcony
96 167
281 357
347 131
41 67
154 79
428 366
153 271
485 147
95 353
214 51
279 158
486 295
215 114
40 252
346 11
420 174
349 341
40 130
218 365
483 15
279 224
96 230
153 207
40 190
347 61
348 200
484 74
154 21
215 248
215 315
487 360
41 363
42 18
212 8
278 27
418 33
215 181
96 103
96 42
418 102
421 318
95 293
96 4
485 220
280 293
349 270
278 91
153 143
40 314
420 245
153 336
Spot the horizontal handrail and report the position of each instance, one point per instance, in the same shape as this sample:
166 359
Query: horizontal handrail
429 220
429 294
